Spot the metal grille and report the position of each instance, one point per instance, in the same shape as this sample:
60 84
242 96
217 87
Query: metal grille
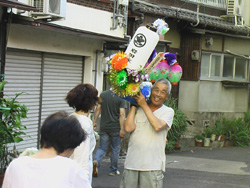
38 4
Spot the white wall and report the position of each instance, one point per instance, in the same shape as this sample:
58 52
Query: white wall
245 12
236 45
87 19
215 98
210 101
188 95
211 96
42 40
39 39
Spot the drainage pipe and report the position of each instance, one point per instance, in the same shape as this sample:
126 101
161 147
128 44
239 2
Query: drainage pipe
197 17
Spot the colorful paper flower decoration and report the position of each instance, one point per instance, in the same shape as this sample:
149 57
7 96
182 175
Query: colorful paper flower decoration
132 88
145 88
126 74
152 56
121 79
162 26
160 71
168 68
119 61
124 81
170 58
175 74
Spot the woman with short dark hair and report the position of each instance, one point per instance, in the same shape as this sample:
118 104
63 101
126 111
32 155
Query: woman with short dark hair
83 99
50 167
65 134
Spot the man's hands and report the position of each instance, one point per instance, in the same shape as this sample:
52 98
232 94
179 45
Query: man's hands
94 125
140 99
122 133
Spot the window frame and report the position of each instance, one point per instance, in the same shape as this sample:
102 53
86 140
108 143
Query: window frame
222 63
245 72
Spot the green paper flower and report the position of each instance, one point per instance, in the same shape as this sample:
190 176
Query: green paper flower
121 79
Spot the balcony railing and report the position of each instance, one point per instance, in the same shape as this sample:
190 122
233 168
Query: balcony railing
220 4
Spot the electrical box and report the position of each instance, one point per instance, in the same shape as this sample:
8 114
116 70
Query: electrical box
123 2
105 66
209 41
195 55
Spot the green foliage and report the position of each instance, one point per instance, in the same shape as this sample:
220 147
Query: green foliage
226 127
199 137
247 118
11 127
179 125
236 130
170 146
208 132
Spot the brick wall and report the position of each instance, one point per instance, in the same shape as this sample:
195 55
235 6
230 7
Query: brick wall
105 5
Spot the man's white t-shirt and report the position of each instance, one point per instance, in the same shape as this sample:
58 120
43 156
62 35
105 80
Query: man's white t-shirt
56 172
146 149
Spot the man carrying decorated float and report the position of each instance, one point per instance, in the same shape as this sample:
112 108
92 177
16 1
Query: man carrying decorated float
148 124
131 75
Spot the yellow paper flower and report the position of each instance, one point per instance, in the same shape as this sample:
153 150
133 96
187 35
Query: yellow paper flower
119 91
132 89
112 75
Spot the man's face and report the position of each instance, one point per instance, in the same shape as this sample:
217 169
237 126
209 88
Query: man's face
159 94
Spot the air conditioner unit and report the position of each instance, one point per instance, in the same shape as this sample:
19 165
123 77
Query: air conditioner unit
234 7
235 10
50 8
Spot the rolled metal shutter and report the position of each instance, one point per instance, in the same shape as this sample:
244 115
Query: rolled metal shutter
23 74
45 80
61 74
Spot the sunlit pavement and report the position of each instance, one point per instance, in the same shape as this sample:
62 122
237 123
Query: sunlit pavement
195 167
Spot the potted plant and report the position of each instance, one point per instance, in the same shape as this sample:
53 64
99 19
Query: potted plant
220 135
198 140
237 131
226 128
179 125
207 136
170 146
11 127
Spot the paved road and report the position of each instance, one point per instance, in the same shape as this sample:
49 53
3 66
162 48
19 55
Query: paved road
195 167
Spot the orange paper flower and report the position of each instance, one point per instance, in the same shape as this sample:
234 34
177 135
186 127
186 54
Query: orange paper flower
119 61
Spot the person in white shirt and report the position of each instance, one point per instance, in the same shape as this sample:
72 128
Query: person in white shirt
83 99
51 167
148 125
